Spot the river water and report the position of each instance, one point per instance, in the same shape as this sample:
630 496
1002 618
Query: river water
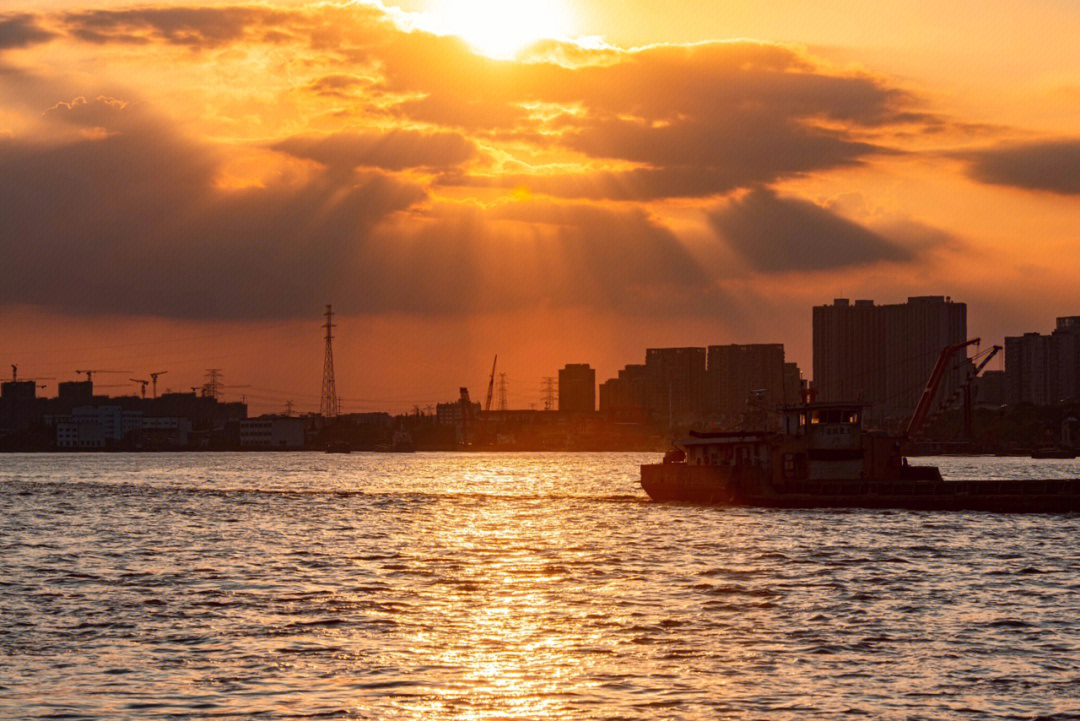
446 586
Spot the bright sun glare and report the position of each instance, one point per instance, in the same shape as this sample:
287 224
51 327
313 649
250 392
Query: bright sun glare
498 28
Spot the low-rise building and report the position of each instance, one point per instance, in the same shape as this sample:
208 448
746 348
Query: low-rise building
272 432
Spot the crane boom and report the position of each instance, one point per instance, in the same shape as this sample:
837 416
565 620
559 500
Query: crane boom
932 385
491 384
963 391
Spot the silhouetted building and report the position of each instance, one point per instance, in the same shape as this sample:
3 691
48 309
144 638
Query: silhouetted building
794 385
884 354
463 415
577 388
625 391
205 413
71 394
1044 369
738 375
451 414
988 390
675 383
18 405
96 427
280 432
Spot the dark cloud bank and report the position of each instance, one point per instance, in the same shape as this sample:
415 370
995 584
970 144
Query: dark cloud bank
1052 166
132 222
127 219
775 234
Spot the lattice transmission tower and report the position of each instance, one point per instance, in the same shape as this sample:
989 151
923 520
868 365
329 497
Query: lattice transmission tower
548 391
212 387
502 391
330 405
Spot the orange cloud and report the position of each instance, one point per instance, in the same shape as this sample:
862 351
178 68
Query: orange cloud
436 181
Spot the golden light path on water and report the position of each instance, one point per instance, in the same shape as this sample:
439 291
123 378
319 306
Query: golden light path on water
442 586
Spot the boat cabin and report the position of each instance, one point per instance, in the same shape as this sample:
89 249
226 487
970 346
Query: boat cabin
823 440
737 448
820 441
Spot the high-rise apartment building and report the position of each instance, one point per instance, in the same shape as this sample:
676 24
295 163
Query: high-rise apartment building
1044 369
626 391
884 354
577 388
675 383
735 374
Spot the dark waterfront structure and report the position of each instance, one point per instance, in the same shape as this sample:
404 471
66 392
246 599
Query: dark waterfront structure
882 354
675 384
989 389
1044 369
624 393
577 388
18 403
742 376
718 385
78 419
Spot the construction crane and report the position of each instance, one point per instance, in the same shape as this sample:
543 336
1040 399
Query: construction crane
40 378
936 376
142 383
15 376
964 392
491 385
154 377
90 373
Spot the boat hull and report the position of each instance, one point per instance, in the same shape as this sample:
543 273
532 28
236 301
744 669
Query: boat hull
703 484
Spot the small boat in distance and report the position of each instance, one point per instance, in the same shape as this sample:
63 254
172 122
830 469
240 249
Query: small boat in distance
823 457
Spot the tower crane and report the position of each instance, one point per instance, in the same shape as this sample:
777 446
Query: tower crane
491 385
40 378
141 383
154 377
15 376
90 373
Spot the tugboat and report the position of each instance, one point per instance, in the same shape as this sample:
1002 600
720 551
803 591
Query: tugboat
823 457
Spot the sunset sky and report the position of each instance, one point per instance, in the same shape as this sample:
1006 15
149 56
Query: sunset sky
185 186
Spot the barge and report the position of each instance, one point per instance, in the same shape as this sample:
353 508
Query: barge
823 457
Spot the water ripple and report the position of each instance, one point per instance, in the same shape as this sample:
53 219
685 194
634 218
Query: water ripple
433 586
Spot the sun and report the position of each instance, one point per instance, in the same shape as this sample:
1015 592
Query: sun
498 28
